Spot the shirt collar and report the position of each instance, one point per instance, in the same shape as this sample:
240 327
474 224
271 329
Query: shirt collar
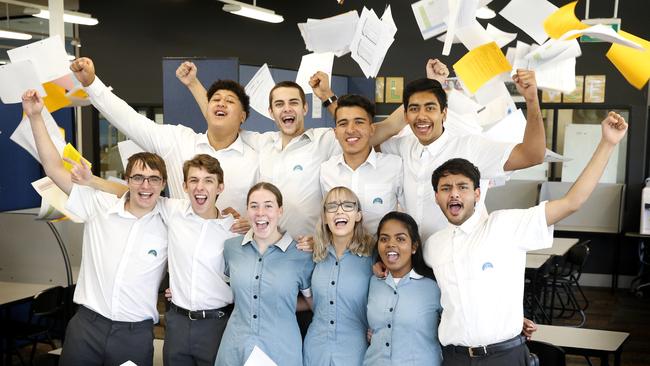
371 159
390 281
277 138
283 243
436 146
472 222
225 221
119 207
237 145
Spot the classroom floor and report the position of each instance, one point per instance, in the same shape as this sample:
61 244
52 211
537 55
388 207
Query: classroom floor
621 311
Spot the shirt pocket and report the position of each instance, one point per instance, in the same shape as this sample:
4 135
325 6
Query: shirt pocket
379 198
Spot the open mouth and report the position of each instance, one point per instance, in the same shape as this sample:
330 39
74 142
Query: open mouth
261 224
352 140
288 120
145 195
455 208
423 128
340 222
200 198
392 256
220 113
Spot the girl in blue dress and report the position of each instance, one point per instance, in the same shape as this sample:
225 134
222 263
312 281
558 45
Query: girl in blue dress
403 308
266 273
343 252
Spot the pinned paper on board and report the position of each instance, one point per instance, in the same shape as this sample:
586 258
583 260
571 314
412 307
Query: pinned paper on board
632 63
71 153
595 88
480 65
576 95
259 88
529 16
563 20
16 78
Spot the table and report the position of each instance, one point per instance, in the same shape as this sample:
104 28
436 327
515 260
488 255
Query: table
560 247
12 293
585 342
535 261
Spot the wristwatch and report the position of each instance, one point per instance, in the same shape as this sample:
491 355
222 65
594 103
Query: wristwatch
329 101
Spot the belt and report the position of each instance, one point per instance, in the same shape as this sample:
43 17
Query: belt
203 314
482 351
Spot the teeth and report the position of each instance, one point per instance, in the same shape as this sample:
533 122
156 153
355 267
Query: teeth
391 253
145 194
288 119
340 221
200 196
221 113
261 222
352 139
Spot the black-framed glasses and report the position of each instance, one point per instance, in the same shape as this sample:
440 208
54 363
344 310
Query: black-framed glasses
138 179
347 206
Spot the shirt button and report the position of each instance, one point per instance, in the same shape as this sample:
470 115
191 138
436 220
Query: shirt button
388 325
259 259
391 310
394 292
254 296
331 302
333 283
387 344
331 321
254 316
337 263
257 277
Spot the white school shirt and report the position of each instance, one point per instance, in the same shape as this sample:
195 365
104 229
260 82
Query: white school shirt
123 257
295 171
479 267
377 182
196 264
176 144
420 161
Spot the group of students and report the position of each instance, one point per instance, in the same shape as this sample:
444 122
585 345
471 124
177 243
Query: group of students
249 209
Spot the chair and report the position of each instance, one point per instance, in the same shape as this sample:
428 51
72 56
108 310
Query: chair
567 277
45 311
547 354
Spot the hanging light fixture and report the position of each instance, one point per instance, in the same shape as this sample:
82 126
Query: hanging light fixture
251 11
6 33
68 16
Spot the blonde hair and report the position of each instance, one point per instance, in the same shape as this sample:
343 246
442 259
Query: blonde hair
362 242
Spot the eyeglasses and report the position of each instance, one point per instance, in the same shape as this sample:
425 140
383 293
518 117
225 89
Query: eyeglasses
347 206
138 179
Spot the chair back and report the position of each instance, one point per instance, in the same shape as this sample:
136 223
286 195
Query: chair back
48 302
577 257
548 354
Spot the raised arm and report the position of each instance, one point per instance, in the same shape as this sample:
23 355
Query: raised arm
613 129
186 73
320 84
81 174
50 158
149 135
533 147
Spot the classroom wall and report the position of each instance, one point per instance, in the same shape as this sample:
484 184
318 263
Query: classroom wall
133 36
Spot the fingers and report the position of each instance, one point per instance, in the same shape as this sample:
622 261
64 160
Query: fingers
231 211
318 79
80 64
305 243
525 78
616 121
30 95
185 69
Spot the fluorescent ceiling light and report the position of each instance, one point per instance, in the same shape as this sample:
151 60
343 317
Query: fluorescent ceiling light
251 11
68 17
485 13
14 35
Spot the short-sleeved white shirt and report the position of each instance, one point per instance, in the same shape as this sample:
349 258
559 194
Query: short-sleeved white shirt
176 144
123 257
479 267
420 161
295 171
196 264
377 182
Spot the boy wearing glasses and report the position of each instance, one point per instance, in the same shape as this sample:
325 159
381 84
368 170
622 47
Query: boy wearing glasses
124 256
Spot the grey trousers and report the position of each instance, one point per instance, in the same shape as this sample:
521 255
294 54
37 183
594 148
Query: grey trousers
192 342
92 339
517 356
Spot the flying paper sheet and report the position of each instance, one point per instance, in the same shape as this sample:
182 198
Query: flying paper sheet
462 124
496 110
309 65
563 20
23 135
48 55
552 51
259 358
54 196
509 129
553 157
460 103
480 65
332 34
604 33
500 37
557 76
529 16
372 39
259 88
430 16
16 78
126 149
71 153
47 212
492 90
473 35
632 63
56 98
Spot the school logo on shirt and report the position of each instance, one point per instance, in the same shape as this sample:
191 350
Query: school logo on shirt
297 168
153 252
377 201
487 265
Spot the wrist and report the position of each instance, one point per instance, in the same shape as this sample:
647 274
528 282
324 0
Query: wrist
329 100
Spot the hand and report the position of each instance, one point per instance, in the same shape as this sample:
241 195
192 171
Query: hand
230 211
241 226
84 70
186 73
436 70
614 128
168 294
526 84
380 270
369 335
305 243
32 103
80 173
529 328
320 84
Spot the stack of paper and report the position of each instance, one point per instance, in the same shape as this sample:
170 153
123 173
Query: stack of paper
332 34
372 39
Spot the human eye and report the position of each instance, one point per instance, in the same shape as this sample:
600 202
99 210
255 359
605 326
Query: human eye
138 178
349 205
413 108
155 180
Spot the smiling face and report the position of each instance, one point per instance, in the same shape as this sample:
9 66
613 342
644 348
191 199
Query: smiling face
425 116
203 188
396 247
288 111
457 196
225 112
341 214
353 130
143 196
264 213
